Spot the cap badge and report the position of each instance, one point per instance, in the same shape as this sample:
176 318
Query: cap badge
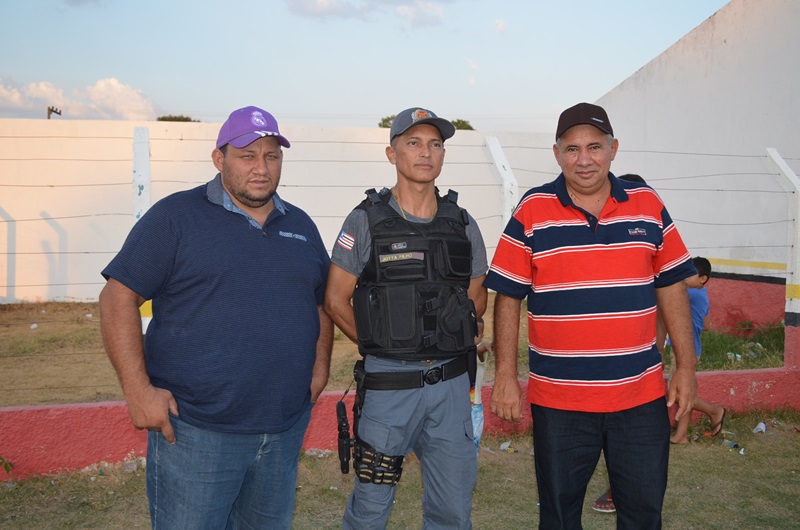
258 119
420 114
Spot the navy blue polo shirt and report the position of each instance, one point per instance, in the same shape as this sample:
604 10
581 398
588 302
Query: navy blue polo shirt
235 307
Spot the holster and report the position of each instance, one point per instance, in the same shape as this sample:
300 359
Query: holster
472 365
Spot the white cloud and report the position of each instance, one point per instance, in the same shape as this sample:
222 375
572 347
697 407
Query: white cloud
324 8
500 26
10 97
81 3
105 99
415 12
420 13
113 99
472 65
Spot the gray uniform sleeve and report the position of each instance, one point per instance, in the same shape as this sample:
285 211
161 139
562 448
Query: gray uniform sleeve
352 248
480 263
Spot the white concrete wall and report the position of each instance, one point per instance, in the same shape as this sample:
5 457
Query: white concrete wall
695 123
67 199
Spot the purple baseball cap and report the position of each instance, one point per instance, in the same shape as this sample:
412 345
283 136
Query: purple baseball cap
245 126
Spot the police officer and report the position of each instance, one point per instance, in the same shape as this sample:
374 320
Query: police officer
406 284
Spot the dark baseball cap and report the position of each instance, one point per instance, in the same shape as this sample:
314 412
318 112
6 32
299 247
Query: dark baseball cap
584 113
246 125
417 115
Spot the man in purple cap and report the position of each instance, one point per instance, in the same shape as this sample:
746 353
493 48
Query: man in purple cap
405 284
595 256
239 346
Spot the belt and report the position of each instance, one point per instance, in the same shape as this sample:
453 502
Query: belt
417 379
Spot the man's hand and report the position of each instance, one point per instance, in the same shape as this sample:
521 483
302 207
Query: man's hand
318 382
322 364
506 393
675 311
150 407
506 402
683 390
121 327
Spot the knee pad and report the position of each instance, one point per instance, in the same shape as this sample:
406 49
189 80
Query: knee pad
375 467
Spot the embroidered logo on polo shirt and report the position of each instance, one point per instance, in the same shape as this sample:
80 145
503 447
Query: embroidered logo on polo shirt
292 235
637 231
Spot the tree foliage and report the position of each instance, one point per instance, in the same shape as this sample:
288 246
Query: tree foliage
177 117
464 125
386 121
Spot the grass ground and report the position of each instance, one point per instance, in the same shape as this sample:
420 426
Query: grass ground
61 360
52 353
711 486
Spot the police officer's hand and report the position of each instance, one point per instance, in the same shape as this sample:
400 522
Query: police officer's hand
150 407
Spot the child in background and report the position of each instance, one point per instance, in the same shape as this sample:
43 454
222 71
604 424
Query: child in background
700 306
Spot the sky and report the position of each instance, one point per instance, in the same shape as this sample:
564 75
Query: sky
502 65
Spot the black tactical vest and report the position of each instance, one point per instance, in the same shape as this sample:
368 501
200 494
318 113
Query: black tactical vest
411 299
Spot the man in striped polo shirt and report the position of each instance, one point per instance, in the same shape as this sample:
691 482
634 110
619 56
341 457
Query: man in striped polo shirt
596 257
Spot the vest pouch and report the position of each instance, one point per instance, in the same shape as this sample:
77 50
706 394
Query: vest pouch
386 320
370 322
401 306
403 272
455 259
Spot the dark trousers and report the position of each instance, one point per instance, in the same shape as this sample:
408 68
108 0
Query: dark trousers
567 446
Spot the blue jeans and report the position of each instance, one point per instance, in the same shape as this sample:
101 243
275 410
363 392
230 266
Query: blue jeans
213 480
567 446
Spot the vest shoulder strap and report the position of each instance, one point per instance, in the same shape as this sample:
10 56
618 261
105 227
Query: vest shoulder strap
378 210
449 208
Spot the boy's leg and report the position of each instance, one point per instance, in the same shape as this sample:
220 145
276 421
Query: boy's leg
715 413
681 435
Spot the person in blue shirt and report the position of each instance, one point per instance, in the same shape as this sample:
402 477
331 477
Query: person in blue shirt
239 346
700 306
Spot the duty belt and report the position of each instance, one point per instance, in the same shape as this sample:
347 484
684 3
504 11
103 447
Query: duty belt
417 379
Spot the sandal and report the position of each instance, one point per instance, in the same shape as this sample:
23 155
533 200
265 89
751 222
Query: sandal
604 503
717 427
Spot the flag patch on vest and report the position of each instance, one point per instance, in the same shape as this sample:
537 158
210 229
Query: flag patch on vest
346 241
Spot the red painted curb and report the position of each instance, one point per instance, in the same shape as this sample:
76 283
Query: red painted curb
42 440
